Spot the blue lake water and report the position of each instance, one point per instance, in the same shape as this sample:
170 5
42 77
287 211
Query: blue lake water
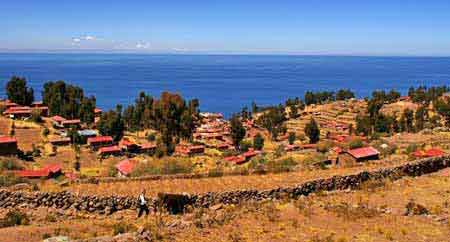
223 83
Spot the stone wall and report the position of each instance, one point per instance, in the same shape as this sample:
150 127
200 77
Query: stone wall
107 205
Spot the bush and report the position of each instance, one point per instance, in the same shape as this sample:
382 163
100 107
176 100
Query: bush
282 165
258 142
324 146
13 218
355 143
245 145
151 137
411 148
36 116
45 132
291 138
279 151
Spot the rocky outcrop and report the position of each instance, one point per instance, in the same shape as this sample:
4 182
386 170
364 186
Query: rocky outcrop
108 205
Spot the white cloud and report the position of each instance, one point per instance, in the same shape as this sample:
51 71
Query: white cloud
89 38
180 49
142 45
76 40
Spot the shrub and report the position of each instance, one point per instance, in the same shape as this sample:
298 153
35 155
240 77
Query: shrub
282 165
13 218
324 146
36 116
291 138
245 145
355 143
258 142
151 137
279 151
45 132
411 148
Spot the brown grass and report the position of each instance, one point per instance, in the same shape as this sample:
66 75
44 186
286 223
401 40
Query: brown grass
202 185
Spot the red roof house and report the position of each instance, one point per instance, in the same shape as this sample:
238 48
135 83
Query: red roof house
238 160
57 120
99 141
18 112
129 146
46 172
433 152
147 147
60 141
290 147
360 154
109 150
189 150
71 122
125 167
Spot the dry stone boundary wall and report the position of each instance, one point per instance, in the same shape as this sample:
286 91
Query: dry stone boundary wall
109 204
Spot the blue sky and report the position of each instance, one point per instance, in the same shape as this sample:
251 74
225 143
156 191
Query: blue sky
349 27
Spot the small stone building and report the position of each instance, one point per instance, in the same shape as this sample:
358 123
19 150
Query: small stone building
358 155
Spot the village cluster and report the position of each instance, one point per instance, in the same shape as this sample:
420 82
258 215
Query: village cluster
336 120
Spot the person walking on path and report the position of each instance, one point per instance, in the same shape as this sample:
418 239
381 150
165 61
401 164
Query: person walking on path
142 204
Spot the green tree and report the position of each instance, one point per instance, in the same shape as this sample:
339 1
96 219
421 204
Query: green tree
273 120
344 94
112 124
68 101
312 131
408 118
443 108
363 124
18 92
291 138
420 116
237 130
258 142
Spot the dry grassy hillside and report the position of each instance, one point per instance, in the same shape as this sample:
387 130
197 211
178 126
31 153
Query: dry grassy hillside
376 212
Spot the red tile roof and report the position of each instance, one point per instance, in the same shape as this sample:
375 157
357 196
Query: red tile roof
363 152
433 152
71 121
58 118
126 166
6 140
337 150
97 110
250 153
71 176
109 149
147 146
100 139
59 140
291 147
236 159
33 173
44 172
18 110
52 168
